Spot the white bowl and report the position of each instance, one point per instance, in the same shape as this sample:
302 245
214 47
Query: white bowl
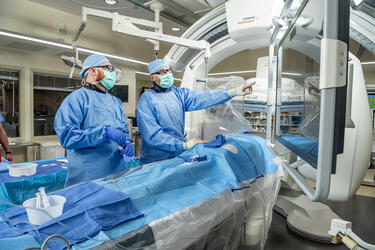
22 169
37 217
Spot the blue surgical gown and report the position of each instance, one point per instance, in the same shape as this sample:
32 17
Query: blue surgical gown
161 119
80 125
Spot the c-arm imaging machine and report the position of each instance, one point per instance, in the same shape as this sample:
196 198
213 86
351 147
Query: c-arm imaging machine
344 139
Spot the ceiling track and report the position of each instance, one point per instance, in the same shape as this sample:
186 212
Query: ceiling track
163 14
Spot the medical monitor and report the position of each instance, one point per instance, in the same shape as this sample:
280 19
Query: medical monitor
305 92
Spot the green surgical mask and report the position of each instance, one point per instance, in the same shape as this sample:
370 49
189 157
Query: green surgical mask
166 80
109 79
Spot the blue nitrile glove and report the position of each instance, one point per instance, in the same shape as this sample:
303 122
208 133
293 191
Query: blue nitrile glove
117 136
128 149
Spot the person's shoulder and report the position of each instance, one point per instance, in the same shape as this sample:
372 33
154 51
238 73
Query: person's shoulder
180 91
147 94
115 99
75 95
77 92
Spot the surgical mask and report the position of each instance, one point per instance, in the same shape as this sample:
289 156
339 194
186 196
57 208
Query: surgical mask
166 80
109 79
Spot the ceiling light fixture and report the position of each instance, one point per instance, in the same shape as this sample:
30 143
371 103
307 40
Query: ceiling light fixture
37 40
110 2
66 46
291 74
175 29
111 56
366 63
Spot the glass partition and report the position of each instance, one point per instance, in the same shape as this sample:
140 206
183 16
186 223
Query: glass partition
9 101
49 92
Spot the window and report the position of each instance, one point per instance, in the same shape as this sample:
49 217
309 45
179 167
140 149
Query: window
9 105
49 92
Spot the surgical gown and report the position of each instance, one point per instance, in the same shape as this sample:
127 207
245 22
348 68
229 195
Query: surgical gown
80 125
161 119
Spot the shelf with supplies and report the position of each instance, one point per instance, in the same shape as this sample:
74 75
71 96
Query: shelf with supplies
290 116
262 107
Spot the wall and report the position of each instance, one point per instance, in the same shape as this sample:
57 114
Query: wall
369 73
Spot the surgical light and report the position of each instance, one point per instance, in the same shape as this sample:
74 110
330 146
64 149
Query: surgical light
110 2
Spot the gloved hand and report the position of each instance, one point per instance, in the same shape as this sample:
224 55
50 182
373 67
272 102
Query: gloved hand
191 143
242 90
117 136
128 149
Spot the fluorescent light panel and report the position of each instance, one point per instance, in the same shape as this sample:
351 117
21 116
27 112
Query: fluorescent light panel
61 45
65 46
291 74
367 63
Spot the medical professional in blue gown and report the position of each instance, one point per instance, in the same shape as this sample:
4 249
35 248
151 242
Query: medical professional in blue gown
161 112
91 125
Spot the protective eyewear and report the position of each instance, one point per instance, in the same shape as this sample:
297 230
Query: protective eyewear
163 72
108 67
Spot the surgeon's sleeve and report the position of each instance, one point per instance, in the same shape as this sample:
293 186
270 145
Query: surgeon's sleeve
68 122
152 134
197 100
123 119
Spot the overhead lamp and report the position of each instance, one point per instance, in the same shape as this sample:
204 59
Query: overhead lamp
175 29
110 2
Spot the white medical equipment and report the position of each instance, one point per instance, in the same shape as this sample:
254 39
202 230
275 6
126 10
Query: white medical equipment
127 25
22 169
44 213
225 41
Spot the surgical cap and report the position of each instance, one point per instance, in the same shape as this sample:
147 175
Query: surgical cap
92 61
157 65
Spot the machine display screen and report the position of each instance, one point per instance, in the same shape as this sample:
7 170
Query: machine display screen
298 96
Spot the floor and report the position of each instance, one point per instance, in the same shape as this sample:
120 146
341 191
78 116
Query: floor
360 210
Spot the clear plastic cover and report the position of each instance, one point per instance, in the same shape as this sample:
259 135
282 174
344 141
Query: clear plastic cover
236 216
223 119
310 123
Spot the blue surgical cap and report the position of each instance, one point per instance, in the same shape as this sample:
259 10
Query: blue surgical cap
92 61
157 65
